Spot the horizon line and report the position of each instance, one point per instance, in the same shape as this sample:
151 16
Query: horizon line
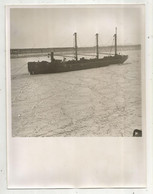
73 47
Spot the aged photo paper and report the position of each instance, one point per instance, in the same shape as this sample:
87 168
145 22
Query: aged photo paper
76 106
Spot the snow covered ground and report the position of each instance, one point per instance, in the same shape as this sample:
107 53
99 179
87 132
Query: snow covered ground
103 101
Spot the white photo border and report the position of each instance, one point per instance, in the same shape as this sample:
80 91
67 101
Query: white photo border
149 97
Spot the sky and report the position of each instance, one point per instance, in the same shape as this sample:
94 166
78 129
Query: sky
54 27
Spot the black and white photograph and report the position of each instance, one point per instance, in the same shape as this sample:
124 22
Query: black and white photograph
76 101
76 71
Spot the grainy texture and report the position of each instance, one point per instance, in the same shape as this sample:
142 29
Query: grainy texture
95 102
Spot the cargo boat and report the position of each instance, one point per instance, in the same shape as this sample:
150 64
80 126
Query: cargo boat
56 66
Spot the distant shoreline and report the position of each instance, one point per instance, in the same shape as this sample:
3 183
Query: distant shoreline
33 52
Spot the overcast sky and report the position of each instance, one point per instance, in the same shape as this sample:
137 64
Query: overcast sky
54 27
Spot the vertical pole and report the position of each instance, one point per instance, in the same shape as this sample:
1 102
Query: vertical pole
97 47
116 41
76 51
52 57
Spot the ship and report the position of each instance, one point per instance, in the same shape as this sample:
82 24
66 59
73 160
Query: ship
57 66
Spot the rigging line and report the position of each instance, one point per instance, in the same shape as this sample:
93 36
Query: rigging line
121 49
78 41
64 56
86 55
88 52
111 47
86 44
20 68
106 43
73 56
106 47
101 42
106 53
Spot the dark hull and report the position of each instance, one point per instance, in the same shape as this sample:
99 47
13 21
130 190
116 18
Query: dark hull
58 66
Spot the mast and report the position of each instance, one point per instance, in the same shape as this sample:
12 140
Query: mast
97 47
116 41
76 47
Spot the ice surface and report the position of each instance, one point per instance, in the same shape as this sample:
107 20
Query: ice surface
103 101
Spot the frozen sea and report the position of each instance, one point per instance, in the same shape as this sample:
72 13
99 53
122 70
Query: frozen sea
103 101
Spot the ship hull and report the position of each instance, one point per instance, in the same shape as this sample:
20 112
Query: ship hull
57 66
